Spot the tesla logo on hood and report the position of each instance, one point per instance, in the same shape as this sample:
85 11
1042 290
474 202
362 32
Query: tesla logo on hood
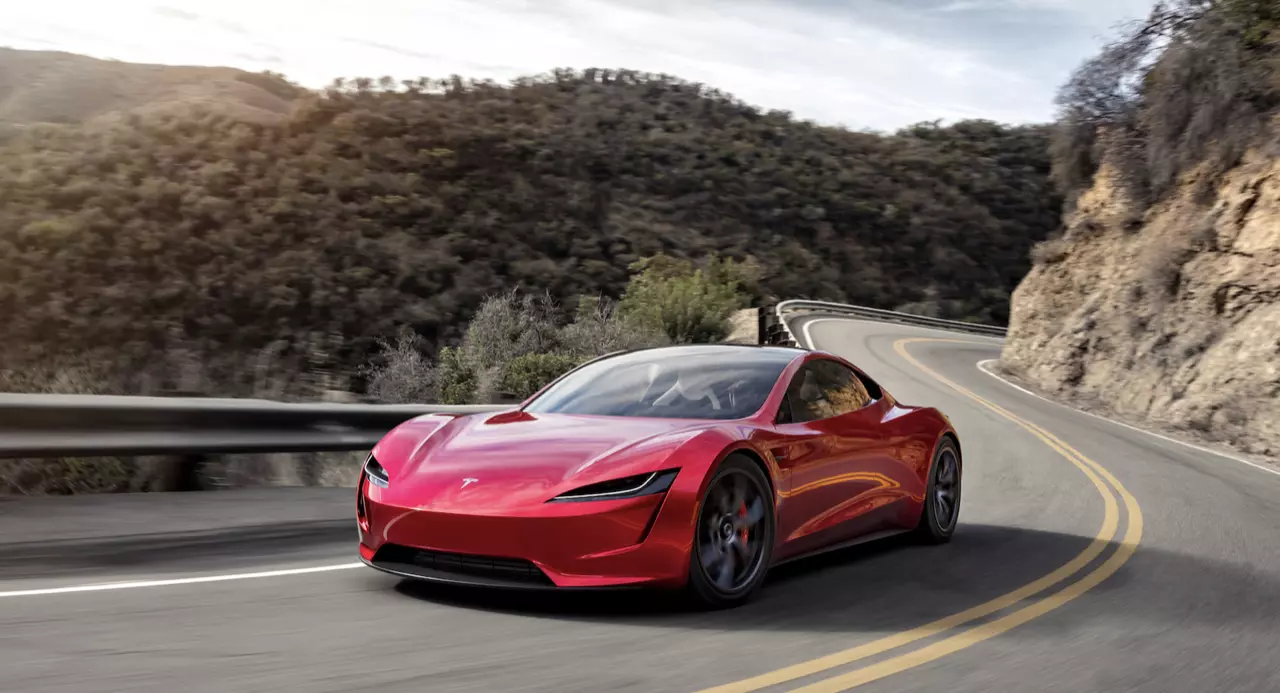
468 481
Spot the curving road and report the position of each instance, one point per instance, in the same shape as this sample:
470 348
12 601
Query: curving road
1090 557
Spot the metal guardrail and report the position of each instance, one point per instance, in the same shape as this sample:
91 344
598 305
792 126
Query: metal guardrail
777 330
50 426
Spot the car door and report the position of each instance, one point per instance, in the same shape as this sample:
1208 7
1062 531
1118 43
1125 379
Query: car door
841 469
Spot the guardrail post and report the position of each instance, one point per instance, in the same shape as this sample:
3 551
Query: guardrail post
777 335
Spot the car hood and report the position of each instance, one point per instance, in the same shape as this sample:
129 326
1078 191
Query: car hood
514 459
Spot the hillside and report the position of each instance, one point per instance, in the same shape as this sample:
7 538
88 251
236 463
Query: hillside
1161 303
166 246
55 87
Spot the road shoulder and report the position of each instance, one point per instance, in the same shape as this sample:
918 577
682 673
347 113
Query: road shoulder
50 535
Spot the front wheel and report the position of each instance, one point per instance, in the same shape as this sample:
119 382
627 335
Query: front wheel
942 496
733 539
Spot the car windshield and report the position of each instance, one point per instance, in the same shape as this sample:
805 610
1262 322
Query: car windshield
676 382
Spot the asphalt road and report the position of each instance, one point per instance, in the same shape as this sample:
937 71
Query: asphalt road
1178 587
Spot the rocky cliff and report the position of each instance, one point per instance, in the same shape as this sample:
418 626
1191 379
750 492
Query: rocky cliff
1170 317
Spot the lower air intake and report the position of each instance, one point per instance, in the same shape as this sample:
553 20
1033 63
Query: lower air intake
460 567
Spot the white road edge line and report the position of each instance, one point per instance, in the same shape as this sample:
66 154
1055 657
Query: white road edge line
179 581
985 367
808 337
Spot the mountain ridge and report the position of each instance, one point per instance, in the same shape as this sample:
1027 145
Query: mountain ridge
57 87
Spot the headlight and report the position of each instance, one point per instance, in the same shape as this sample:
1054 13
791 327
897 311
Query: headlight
377 475
626 487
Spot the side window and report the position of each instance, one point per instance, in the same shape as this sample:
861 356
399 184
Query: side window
821 390
873 390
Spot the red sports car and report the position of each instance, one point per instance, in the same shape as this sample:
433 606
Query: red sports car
697 467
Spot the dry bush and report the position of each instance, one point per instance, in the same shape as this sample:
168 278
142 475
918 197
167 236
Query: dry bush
598 328
510 325
404 375
516 342
1048 252
1161 270
1206 103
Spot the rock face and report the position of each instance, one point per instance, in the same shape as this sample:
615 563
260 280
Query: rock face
1171 317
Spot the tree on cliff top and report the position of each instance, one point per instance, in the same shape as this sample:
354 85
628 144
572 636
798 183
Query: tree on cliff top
1192 84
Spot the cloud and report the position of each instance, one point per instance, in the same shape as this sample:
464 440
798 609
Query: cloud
866 64
185 16
177 13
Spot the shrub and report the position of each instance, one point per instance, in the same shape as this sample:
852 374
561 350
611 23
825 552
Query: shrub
686 302
1161 270
600 328
527 374
456 377
405 375
1051 251
507 326
515 344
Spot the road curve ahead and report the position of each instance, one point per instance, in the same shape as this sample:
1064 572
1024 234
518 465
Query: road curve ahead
1090 557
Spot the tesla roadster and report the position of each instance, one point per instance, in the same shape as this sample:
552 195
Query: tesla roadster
691 467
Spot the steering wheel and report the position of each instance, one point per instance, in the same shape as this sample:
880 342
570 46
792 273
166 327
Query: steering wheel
677 389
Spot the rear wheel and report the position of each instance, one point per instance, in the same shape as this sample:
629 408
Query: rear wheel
733 539
942 496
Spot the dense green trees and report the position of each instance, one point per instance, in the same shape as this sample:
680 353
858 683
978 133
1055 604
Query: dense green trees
204 253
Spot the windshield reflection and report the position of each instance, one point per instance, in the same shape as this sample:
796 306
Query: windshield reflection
679 382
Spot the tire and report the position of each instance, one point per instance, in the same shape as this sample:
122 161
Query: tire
938 519
719 535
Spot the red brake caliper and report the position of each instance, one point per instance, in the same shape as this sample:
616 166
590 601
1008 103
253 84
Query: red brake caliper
742 512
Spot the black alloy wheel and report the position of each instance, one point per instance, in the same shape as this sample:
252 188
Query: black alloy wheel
941 510
733 540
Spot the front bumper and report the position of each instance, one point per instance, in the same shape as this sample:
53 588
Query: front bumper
457 569
613 543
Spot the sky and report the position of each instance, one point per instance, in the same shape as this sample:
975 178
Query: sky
863 64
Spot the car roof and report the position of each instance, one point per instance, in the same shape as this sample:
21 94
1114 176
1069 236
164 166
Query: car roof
757 353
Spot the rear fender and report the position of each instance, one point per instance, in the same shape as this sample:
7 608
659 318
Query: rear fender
936 428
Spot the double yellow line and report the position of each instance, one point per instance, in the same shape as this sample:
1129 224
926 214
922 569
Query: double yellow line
1095 472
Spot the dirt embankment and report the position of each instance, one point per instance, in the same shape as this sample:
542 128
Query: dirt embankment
1170 318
